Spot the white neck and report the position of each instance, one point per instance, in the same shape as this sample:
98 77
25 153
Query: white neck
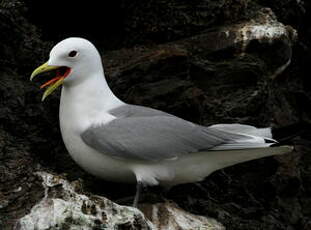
87 103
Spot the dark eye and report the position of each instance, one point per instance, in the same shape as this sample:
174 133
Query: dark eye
72 53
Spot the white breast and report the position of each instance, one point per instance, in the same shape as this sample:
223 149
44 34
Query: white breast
73 121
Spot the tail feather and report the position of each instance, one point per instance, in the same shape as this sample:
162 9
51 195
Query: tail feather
252 137
241 145
224 158
245 129
195 167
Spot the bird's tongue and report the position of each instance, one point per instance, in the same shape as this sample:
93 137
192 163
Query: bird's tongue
60 74
50 82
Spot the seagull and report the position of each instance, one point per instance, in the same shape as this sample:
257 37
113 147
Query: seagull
128 143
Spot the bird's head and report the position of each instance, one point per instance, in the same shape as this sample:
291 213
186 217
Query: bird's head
73 60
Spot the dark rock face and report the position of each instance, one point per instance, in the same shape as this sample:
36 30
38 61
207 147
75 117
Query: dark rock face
206 61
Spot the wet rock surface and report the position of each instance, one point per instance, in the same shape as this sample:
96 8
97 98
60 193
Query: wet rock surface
208 62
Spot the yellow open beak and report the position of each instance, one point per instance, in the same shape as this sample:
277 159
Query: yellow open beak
53 83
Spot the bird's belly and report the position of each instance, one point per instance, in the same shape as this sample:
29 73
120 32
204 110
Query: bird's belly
95 163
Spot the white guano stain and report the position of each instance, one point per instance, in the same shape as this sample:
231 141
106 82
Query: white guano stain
55 213
265 32
73 211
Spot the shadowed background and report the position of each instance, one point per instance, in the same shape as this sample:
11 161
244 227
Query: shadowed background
163 54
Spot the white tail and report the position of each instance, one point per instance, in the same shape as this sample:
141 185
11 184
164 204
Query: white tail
225 158
195 167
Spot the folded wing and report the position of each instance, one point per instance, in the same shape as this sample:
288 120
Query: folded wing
141 133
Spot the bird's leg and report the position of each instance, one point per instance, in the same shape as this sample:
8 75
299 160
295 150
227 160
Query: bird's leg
139 187
152 195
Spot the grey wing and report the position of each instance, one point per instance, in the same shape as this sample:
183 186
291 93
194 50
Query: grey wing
153 138
128 110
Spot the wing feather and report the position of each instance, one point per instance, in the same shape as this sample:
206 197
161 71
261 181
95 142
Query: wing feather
142 133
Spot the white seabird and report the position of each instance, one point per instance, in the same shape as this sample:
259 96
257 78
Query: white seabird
120 142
